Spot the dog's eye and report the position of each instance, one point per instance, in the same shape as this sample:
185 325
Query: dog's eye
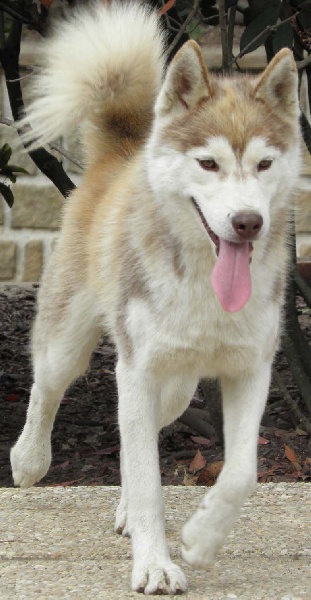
209 164
264 164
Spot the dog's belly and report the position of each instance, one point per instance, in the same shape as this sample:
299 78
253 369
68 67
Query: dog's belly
215 361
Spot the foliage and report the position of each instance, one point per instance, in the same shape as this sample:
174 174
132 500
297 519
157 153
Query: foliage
9 172
283 23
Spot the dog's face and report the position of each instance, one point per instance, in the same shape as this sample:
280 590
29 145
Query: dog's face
232 146
226 151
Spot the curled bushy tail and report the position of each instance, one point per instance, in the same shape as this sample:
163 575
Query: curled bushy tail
103 69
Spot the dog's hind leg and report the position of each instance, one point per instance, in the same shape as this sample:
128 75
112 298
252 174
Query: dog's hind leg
244 400
62 344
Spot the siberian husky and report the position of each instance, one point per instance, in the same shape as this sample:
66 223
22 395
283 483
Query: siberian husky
175 244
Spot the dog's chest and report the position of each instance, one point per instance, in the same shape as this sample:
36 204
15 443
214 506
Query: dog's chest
185 328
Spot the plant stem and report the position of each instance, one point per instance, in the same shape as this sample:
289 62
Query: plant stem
9 58
184 26
300 418
224 35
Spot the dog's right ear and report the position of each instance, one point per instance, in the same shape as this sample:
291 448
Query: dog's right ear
187 82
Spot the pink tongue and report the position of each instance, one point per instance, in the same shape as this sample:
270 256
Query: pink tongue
231 277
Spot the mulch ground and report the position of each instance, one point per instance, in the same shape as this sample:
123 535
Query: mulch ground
85 438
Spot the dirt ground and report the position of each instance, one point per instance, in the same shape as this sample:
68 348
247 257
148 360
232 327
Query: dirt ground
85 438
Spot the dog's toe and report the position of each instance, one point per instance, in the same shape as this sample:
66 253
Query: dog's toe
165 578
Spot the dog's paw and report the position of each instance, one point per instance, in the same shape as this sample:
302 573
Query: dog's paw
199 542
30 461
120 525
159 578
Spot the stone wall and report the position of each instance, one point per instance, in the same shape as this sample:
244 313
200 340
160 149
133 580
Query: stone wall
28 230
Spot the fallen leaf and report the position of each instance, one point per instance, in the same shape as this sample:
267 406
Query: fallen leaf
280 432
301 431
66 483
263 441
198 463
292 457
167 6
261 476
188 480
209 475
110 450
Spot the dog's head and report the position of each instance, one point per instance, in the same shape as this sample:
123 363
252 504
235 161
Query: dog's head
227 151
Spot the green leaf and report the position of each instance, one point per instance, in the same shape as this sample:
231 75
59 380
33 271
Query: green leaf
256 8
7 194
16 169
5 155
196 33
268 17
283 37
7 172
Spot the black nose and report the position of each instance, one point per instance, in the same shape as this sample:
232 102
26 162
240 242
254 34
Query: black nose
247 225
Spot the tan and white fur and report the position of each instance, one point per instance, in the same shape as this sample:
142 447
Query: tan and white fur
166 161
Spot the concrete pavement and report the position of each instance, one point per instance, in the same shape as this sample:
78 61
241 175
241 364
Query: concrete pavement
59 543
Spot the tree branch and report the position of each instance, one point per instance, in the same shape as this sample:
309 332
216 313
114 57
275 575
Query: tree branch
269 28
212 396
301 64
303 287
301 379
195 418
224 35
184 26
231 23
300 418
52 146
16 15
9 58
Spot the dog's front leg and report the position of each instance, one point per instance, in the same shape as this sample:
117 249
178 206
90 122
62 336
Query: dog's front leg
139 400
244 400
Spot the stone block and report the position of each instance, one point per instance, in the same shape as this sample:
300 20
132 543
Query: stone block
303 212
33 260
304 266
36 207
305 248
7 260
19 157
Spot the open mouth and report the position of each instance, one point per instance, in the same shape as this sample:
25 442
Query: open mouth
212 234
230 278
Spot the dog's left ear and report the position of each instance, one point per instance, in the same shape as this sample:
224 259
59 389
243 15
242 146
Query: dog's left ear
278 85
187 82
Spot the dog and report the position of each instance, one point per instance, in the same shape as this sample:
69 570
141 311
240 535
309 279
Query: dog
176 245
